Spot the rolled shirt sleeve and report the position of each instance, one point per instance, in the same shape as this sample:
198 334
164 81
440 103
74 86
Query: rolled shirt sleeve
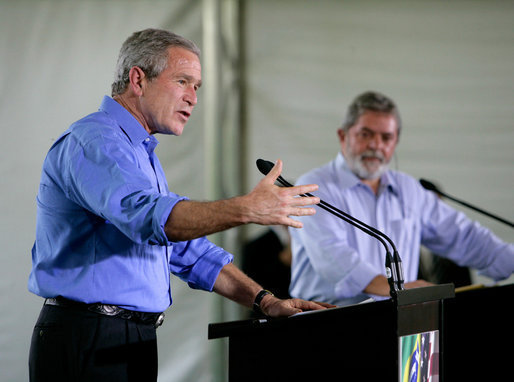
198 262
108 176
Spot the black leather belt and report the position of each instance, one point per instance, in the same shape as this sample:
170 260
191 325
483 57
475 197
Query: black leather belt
155 319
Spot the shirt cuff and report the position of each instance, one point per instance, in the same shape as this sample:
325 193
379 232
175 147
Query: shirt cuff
502 265
163 209
210 268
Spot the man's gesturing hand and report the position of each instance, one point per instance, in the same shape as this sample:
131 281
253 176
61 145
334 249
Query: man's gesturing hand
269 204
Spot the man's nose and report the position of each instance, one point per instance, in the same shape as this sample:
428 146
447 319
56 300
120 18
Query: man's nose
190 96
375 142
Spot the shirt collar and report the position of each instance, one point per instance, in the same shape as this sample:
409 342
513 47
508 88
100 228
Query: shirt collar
347 179
127 122
388 181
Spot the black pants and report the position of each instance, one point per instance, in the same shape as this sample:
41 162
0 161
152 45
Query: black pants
71 345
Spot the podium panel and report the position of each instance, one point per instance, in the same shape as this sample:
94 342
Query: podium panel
322 345
359 341
479 327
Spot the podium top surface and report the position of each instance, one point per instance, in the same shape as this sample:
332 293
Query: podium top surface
405 297
226 329
425 294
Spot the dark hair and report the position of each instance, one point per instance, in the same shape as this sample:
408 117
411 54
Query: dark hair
370 101
148 50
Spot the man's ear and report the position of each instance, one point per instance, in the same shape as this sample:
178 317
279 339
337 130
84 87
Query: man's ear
136 77
341 134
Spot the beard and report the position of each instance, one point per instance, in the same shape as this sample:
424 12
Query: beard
369 164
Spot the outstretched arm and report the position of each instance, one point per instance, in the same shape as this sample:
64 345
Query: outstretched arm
266 204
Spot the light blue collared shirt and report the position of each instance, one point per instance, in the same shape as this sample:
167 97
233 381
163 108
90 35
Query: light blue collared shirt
334 262
102 205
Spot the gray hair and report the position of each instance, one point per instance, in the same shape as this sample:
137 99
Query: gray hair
148 50
370 101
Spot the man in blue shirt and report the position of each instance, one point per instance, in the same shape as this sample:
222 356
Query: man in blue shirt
109 232
337 263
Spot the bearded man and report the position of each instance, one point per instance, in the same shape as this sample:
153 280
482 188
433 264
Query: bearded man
337 263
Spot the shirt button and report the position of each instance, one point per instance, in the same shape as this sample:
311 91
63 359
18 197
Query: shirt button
147 140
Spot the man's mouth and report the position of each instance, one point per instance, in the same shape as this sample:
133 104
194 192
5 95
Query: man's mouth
184 113
372 156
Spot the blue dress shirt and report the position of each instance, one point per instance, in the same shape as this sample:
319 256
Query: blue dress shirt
102 204
334 262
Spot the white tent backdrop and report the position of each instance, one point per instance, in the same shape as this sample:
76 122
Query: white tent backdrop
447 64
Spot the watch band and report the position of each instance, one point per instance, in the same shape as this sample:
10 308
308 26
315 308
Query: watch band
258 299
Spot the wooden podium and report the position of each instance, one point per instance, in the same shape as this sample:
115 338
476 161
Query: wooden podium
362 341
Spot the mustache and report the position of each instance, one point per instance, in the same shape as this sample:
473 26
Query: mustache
372 154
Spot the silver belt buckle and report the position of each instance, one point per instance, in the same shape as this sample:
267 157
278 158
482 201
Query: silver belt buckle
107 310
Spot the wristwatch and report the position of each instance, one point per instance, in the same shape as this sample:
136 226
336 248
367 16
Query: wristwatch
258 299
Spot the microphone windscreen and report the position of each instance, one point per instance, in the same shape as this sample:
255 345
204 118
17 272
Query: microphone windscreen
264 166
428 185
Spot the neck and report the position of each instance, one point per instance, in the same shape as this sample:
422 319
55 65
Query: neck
130 103
374 184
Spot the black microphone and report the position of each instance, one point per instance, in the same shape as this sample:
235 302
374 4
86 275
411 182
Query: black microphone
393 263
432 187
